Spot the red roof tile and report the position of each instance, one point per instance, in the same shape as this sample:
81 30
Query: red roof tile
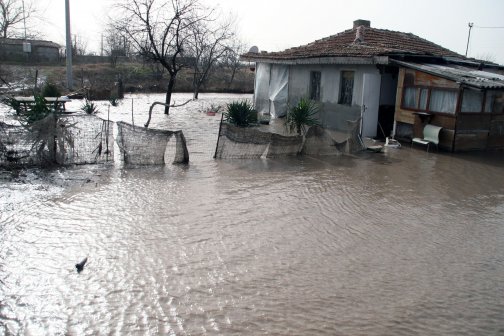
374 42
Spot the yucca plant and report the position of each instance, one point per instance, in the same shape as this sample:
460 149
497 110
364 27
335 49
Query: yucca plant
302 115
89 107
240 113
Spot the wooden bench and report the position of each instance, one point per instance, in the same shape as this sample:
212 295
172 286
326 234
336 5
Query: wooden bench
430 136
57 103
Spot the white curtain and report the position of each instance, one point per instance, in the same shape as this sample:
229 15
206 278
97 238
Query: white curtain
471 101
443 101
489 103
409 99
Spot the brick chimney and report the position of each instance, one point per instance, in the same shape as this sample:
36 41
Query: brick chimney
358 23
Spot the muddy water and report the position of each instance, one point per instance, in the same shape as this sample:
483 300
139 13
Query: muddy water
400 243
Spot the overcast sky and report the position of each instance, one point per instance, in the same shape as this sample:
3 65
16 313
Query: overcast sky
275 25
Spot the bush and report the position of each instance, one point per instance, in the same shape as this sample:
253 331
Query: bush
89 107
38 111
240 113
302 115
50 90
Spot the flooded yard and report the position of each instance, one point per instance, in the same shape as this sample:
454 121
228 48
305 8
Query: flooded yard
397 243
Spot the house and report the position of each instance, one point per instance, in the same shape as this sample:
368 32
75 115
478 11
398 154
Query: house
366 72
35 51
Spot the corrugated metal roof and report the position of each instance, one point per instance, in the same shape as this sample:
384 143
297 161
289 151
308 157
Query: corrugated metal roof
371 42
466 76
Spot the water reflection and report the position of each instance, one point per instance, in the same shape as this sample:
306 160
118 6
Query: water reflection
405 242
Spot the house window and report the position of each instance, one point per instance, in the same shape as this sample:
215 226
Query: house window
443 101
346 87
472 101
422 102
409 98
315 85
415 98
489 101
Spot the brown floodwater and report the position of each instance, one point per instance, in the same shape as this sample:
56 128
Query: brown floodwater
397 243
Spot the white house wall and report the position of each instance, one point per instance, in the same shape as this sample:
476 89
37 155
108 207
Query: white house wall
278 86
334 115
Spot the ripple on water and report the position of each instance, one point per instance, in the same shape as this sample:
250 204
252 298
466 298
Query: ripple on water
364 245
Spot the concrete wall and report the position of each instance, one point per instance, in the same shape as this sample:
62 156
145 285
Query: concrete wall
38 54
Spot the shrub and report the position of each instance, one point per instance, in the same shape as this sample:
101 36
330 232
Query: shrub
302 115
240 113
50 90
114 100
89 107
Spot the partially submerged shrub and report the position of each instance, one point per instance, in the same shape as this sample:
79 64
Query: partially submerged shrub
114 100
240 113
89 107
38 111
302 115
50 90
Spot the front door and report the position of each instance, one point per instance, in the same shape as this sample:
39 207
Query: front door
370 104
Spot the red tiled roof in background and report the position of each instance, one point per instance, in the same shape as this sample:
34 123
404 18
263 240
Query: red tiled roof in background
372 42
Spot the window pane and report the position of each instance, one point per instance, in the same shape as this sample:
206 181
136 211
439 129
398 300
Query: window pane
346 89
443 101
409 98
489 103
471 101
315 85
423 99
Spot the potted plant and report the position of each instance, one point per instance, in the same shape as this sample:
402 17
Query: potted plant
302 115
212 109
240 113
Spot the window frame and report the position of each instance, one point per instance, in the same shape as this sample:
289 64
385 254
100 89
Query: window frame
343 93
419 89
315 90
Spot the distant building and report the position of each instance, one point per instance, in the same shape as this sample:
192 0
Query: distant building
33 51
396 82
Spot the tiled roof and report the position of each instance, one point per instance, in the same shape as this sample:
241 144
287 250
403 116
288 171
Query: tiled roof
372 42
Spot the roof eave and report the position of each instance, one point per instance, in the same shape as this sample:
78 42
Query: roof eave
453 78
360 60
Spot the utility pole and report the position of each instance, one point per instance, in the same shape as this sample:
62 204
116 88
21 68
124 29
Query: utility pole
24 20
68 47
470 24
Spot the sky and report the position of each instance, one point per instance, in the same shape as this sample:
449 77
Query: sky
275 25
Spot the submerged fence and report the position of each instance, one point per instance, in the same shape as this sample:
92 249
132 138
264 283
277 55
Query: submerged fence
84 139
246 143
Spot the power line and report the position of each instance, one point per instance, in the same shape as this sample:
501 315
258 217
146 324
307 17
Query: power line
488 27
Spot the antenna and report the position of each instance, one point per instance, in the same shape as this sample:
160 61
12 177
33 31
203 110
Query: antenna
470 24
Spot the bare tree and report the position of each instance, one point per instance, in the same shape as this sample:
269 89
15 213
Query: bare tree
159 30
13 17
231 59
116 44
79 47
209 42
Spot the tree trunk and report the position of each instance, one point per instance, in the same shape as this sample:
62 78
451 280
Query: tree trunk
169 91
233 73
196 90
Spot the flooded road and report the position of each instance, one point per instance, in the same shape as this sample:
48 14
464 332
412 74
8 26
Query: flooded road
399 243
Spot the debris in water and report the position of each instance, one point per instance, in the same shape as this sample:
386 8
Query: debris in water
80 266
